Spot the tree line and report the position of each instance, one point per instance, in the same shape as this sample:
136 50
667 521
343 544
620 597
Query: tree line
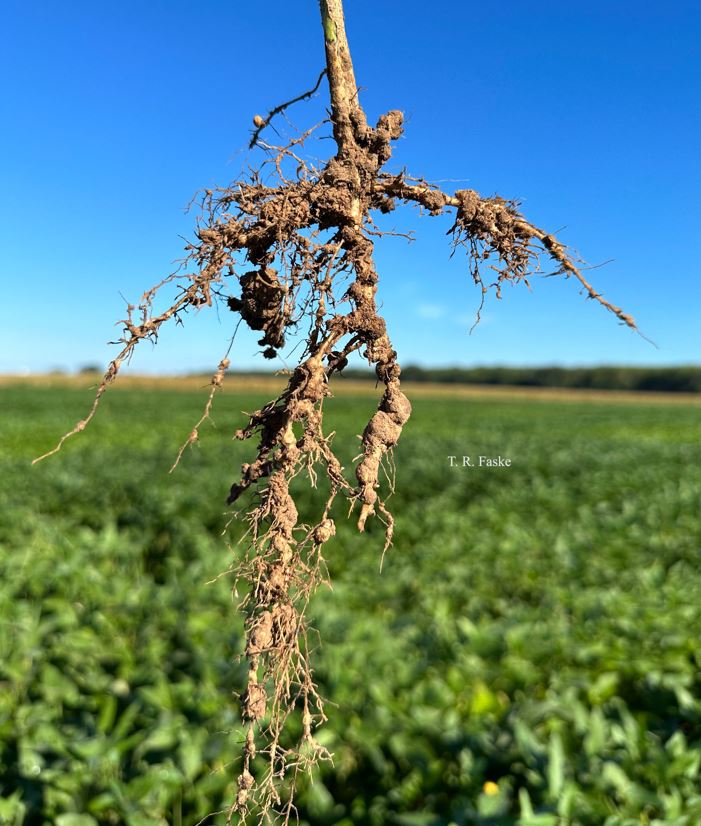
682 379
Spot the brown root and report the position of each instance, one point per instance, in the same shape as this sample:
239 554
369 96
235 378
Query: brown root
491 227
285 249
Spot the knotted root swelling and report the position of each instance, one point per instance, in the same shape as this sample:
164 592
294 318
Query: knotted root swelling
490 227
286 248
262 307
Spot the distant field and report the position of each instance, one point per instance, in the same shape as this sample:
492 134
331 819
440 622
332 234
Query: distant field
343 386
528 657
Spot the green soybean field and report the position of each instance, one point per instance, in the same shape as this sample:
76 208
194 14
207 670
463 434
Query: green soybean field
528 655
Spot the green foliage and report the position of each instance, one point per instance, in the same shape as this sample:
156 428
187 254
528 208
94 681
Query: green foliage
528 657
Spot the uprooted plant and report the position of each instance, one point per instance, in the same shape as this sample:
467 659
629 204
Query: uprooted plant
289 245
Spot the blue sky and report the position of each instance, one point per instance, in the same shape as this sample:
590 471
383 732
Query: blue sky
116 113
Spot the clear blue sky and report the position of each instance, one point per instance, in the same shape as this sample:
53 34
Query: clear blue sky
115 113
